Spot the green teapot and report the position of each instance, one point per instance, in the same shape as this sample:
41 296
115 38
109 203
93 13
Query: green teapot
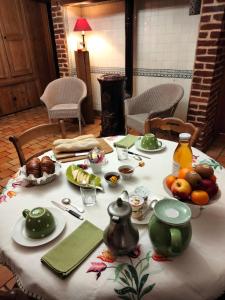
39 222
169 227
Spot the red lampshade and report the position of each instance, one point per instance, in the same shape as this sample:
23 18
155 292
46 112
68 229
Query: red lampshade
82 25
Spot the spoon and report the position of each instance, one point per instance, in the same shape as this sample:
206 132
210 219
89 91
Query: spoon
67 201
140 164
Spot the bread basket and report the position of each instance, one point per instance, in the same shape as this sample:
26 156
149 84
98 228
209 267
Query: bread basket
46 178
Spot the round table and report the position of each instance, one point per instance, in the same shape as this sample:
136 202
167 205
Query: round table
199 273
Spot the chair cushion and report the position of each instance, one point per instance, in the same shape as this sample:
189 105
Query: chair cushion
136 121
65 110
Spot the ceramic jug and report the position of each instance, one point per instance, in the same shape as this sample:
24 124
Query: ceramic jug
39 222
120 236
169 227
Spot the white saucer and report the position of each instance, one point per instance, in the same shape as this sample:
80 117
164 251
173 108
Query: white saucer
138 147
20 237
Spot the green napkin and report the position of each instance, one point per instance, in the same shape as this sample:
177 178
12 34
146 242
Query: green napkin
73 250
126 142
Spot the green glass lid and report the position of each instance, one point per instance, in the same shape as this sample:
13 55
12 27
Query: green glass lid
171 211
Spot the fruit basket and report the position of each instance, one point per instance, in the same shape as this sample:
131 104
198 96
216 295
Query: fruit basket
195 185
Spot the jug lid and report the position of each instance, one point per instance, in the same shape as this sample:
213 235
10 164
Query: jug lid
172 212
119 208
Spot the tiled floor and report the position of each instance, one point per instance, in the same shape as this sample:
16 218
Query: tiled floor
9 163
15 123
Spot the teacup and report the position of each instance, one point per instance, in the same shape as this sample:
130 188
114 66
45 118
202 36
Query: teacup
150 142
138 204
39 222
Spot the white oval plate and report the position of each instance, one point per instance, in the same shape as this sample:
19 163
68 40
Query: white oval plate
138 147
20 237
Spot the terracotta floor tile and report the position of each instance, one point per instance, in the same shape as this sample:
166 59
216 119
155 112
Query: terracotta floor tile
14 161
3 183
10 285
6 173
5 275
6 165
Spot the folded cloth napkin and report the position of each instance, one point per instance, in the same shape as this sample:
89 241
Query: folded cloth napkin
73 250
126 142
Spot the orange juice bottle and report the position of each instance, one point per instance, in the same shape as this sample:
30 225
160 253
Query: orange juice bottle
182 157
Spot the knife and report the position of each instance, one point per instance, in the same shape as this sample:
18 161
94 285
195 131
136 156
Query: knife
130 152
70 211
70 154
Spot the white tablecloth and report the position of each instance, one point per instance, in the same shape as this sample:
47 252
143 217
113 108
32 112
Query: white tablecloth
199 273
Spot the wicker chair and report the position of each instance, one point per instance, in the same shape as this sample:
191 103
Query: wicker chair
35 132
159 101
169 128
63 98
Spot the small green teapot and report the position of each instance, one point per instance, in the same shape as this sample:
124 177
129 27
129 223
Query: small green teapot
169 227
39 222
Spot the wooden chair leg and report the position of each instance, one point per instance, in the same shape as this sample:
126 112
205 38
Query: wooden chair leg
79 120
82 120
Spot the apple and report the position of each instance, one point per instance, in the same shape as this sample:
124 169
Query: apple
181 189
209 186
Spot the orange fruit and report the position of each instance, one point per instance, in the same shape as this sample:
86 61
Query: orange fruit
200 197
170 180
182 172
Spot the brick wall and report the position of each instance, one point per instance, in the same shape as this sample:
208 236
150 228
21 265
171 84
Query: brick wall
208 70
60 38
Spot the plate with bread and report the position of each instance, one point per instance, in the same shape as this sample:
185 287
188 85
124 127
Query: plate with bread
38 171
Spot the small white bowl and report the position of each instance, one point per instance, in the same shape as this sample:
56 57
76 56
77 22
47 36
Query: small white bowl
108 175
126 171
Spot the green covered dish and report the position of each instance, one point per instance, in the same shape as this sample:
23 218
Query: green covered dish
39 222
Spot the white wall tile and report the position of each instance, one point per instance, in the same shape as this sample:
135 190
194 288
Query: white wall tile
165 39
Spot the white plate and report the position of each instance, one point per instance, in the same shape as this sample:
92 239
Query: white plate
20 237
148 212
138 147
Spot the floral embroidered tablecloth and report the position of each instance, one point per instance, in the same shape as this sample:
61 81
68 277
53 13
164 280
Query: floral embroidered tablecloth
199 273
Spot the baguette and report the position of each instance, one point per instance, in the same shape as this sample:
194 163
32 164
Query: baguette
78 138
86 144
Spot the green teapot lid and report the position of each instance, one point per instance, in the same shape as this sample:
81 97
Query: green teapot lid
172 212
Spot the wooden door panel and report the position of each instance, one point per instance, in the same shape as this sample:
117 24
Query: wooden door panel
32 92
20 96
10 12
4 71
19 60
15 37
6 103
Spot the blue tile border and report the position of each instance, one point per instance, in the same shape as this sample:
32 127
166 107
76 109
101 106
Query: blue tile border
168 73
